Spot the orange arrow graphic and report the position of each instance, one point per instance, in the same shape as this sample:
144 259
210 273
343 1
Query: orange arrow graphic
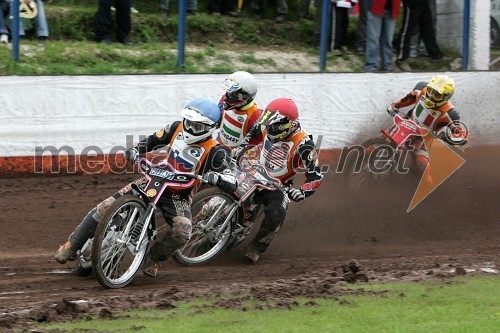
443 162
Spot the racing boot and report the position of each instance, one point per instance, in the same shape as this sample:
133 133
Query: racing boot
65 252
151 266
161 251
252 256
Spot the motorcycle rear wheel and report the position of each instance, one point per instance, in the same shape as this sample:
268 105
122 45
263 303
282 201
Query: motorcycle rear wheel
113 259
204 244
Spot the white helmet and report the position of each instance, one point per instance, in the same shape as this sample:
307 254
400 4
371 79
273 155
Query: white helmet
241 88
201 116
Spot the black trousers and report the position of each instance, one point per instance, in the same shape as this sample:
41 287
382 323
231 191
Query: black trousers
275 206
341 25
418 17
104 20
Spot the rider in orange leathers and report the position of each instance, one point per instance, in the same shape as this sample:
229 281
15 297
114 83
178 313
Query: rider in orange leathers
431 108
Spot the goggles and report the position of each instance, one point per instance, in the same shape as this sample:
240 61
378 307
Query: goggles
196 127
279 127
434 95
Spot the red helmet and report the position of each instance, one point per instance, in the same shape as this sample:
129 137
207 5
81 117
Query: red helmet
284 113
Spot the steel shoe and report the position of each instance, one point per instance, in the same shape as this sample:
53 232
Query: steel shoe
252 256
151 267
65 252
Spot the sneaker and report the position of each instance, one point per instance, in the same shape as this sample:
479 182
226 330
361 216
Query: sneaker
65 252
127 41
164 12
337 52
41 40
251 257
151 266
133 10
113 9
105 40
4 39
280 18
404 66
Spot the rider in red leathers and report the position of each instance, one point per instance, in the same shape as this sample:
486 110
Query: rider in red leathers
286 150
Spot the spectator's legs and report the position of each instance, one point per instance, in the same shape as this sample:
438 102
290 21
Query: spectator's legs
373 35
304 8
387 35
103 20
428 33
360 42
192 6
341 25
123 19
164 5
411 17
281 9
4 11
42 28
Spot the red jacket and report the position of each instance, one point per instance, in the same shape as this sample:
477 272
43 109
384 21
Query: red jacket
378 6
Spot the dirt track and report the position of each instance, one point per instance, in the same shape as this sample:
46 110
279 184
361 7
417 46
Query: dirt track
456 226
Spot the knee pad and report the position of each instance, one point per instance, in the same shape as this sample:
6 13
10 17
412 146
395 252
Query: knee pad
181 229
103 207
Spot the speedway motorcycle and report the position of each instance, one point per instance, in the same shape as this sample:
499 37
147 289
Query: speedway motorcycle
222 220
383 155
121 239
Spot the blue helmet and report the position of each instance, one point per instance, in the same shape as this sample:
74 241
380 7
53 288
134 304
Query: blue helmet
201 117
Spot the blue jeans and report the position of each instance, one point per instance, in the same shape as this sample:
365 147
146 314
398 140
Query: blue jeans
42 28
192 4
379 36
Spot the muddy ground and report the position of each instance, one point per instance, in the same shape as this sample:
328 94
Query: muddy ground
333 238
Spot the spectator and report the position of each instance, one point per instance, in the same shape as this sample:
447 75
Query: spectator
417 46
4 11
381 21
192 7
219 7
417 14
304 9
341 20
123 21
360 41
256 6
41 25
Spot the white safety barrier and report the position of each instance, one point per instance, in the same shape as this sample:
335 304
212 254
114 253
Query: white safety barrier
100 111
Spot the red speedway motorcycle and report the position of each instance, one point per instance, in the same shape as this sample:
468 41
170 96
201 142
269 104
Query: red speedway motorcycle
223 220
381 158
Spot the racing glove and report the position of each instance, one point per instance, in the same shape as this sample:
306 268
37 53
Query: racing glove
392 109
226 183
132 155
296 194
237 152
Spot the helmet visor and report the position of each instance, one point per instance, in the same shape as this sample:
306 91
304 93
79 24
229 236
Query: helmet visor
196 127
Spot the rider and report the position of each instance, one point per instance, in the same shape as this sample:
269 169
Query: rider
287 149
191 148
431 108
239 110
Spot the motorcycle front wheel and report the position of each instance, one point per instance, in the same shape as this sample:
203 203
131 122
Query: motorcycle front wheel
375 167
207 241
114 258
